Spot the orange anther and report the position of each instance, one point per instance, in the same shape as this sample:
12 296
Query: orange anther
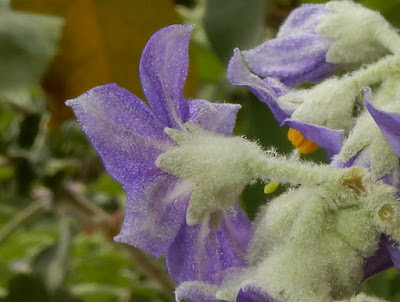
304 145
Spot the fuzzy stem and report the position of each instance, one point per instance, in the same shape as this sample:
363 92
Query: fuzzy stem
296 172
375 72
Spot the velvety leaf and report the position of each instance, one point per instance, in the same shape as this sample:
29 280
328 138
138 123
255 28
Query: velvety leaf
237 24
102 42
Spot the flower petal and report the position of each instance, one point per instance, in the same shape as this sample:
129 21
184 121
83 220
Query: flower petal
122 129
292 59
251 293
389 123
155 212
239 75
380 261
196 291
202 253
329 139
394 250
298 53
218 118
163 70
304 19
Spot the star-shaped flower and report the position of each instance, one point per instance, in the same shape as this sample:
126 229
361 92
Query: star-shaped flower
129 136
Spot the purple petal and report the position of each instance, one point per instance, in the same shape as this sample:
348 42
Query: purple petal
155 212
163 70
389 123
203 253
380 261
328 139
394 251
339 163
292 59
277 87
298 53
304 19
239 75
253 294
218 118
197 292
123 130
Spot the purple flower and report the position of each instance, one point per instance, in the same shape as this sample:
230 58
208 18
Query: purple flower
269 91
298 53
129 136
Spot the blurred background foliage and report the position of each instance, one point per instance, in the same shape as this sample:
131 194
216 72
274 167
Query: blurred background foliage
58 208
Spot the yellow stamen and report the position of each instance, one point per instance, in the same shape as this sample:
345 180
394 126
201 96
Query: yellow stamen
304 145
271 187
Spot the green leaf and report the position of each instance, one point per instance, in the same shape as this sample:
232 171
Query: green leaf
108 185
27 44
383 285
23 288
236 23
209 68
29 128
6 172
89 254
24 244
51 263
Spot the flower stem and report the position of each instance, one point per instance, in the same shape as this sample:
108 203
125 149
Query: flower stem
281 169
375 72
